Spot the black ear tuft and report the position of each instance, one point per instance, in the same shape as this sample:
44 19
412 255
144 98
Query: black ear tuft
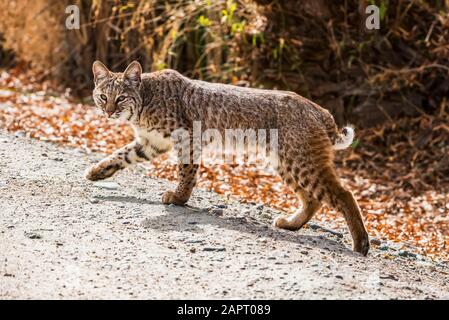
100 71
133 74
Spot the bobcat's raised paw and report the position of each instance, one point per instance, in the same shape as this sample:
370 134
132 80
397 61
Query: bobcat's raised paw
98 172
91 174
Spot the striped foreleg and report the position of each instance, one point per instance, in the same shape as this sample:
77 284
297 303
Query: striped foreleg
124 157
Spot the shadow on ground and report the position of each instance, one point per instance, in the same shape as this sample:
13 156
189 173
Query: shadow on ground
190 218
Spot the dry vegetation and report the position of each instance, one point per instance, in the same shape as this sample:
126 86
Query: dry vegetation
393 82
320 50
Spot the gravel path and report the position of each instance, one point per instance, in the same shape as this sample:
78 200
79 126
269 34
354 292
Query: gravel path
64 237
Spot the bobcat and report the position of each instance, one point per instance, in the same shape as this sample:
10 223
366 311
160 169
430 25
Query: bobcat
157 103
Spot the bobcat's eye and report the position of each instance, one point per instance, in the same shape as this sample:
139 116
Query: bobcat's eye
103 97
120 98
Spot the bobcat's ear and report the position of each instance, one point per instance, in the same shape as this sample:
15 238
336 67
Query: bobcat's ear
100 71
133 74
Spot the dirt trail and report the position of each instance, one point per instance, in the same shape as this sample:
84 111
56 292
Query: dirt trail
64 237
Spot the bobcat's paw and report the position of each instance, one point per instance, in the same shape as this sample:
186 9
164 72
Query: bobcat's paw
169 197
100 172
91 173
285 222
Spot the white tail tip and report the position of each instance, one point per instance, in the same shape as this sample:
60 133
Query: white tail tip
345 138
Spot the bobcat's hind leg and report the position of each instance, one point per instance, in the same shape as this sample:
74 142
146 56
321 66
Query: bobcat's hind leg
328 188
310 205
295 221
344 201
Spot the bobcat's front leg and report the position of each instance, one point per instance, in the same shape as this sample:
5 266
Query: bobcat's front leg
120 159
187 170
187 181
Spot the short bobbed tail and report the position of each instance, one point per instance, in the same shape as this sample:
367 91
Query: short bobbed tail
344 138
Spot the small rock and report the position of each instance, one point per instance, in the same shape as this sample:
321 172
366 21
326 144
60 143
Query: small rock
339 277
265 216
192 250
217 211
194 241
214 249
94 200
389 277
20 134
259 207
375 242
252 283
314 226
33 235
108 185
305 252
384 248
222 206
406 254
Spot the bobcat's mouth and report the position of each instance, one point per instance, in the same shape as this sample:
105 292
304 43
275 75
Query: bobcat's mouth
114 114
120 114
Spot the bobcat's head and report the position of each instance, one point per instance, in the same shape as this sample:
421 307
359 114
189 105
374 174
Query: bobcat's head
117 94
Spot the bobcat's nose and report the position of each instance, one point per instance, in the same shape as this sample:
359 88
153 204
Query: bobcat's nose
109 112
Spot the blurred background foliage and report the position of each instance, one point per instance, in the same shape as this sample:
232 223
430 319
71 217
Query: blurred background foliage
318 48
